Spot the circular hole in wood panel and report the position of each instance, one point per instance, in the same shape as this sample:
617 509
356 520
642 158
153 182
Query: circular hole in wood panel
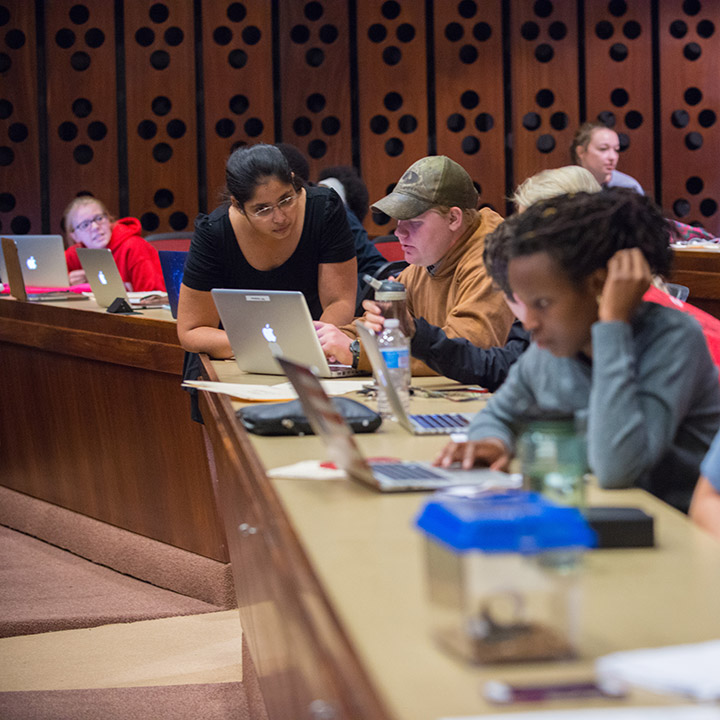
20 225
237 59
557 30
162 152
377 33
149 221
693 96
164 198
80 61
394 147
484 122
619 97
393 101
236 12
224 128
254 127
302 126
67 131
708 207
178 221
693 141
97 131
692 51
6 156
545 143
144 36
694 185
530 30
454 31
390 9
300 34
470 145
18 132
559 121
314 11
678 29
83 154
617 7
314 57
159 13
405 33
469 99
543 8
531 121
392 55
160 59
545 97
618 52
176 128
455 122
544 53
239 104
467 8
317 149
407 124
482 32
79 14
705 28
330 125
81 107
161 105
94 38
15 39
147 129
7 202
328 34
64 38
607 117
174 36
468 54
251 35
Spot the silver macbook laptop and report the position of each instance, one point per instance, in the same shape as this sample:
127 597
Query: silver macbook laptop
263 324
103 275
427 424
42 260
332 428
17 283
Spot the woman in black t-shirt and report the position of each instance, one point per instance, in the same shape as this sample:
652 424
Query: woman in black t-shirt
274 234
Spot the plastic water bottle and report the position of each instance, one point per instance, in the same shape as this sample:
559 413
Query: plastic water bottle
395 349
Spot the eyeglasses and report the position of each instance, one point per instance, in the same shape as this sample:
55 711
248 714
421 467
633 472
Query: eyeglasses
85 224
266 212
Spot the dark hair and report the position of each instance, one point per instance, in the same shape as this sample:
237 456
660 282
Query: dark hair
297 161
248 166
581 232
356 192
583 136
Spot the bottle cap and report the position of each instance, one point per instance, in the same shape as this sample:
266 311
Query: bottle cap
390 290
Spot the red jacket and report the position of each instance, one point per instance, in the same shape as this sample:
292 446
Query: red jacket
137 259
710 325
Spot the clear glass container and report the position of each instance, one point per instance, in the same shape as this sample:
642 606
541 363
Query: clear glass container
553 459
502 572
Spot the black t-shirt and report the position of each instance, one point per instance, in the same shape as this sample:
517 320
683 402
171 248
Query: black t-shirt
216 261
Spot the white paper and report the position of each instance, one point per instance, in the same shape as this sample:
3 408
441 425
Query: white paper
675 712
690 670
307 470
275 393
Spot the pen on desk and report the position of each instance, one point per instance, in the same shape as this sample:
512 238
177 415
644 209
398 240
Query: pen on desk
499 692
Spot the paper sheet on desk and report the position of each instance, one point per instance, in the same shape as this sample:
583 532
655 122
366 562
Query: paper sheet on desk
271 393
689 670
307 470
680 712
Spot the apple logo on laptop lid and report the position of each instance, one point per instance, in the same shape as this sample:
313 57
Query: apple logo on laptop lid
31 263
269 335
102 278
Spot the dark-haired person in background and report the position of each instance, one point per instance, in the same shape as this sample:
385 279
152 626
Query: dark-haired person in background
273 234
346 182
638 372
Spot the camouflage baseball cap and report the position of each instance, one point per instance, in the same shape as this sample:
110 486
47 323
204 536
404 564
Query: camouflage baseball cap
429 182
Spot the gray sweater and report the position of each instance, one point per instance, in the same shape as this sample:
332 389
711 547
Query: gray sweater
650 397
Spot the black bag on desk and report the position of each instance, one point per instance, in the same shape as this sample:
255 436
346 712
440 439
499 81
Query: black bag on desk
288 418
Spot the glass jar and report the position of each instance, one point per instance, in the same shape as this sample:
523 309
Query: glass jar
553 459
502 571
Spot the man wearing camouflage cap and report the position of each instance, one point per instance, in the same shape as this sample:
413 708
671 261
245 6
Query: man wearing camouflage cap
442 235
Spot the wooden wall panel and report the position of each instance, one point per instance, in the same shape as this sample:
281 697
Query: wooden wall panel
315 82
20 209
470 88
392 79
543 47
81 103
161 114
238 83
618 80
689 105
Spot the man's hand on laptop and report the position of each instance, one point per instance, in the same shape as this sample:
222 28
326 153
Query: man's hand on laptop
334 342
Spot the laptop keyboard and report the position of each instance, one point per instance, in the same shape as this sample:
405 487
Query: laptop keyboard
451 421
407 471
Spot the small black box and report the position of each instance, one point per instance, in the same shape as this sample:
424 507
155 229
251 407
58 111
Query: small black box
621 527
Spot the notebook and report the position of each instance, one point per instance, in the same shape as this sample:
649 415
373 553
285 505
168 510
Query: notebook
17 283
172 263
331 427
428 424
263 324
42 260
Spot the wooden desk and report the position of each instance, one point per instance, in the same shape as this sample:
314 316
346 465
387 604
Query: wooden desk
700 271
332 601
93 418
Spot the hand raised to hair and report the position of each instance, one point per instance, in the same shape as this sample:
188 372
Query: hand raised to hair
628 278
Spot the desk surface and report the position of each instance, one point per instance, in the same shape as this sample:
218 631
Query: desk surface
368 561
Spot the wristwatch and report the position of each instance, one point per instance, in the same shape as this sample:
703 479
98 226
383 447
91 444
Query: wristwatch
355 350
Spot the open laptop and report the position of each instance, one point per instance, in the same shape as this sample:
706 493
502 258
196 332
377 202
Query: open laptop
172 263
16 281
42 261
107 284
427 424
263 324
332 428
